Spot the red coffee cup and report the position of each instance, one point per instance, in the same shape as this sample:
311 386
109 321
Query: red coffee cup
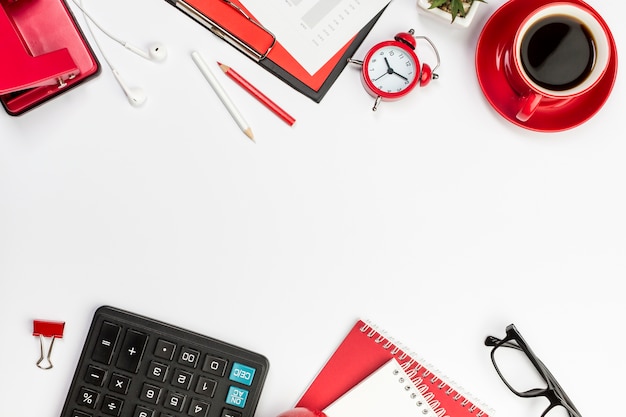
560 51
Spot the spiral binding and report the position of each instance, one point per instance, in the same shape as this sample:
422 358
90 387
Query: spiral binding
425 381
414 393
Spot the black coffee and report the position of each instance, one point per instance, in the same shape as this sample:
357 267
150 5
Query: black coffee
558 52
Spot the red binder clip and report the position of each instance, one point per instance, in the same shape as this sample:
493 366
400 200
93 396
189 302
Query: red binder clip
44 329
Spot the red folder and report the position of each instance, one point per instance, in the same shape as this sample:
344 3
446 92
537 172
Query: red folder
231 21
43 53
363 351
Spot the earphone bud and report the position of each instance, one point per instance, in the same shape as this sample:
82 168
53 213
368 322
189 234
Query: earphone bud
156 52
136 96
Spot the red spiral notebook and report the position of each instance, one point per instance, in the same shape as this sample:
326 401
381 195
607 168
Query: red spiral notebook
362 352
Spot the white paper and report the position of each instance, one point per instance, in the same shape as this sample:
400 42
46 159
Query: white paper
387 392
312 31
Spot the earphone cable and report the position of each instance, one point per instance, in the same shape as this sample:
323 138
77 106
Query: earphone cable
88 21
88 18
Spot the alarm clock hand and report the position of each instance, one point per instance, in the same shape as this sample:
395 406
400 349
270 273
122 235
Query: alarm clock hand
378 78
392 71
401 76
388 71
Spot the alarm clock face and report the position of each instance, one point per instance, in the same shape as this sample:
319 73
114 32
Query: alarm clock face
390 70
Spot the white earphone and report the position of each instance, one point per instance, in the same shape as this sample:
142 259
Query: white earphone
136 96
156 52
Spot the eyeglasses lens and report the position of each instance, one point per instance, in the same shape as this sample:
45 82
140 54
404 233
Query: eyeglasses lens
517 370
521 375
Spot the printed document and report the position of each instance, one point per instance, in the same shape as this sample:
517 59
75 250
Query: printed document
312 31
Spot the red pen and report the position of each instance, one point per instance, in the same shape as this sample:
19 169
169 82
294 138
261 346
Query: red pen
245 84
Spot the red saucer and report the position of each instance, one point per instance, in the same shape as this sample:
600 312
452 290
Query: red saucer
494 38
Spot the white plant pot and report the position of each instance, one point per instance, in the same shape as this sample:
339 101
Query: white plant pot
460 21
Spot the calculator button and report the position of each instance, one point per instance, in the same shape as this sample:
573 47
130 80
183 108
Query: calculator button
164 349
132 351
134 366
237 397
242 374
150 393
175 401
119 383
87 397
181 379
215 365
230 413
95 376
141 411
157 371
112 406
198 408
188 357
206 386
105 344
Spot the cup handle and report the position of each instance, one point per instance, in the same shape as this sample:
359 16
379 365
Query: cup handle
529 104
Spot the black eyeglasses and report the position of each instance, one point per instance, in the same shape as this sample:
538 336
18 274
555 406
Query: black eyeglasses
526 376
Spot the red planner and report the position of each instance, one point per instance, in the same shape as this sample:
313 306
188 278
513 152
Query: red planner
363 351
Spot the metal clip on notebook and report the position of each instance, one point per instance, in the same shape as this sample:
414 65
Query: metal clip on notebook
224 33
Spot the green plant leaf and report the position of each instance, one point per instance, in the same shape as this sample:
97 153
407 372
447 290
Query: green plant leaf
455 7
437 3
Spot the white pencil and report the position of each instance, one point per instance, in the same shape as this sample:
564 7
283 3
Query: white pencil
221 93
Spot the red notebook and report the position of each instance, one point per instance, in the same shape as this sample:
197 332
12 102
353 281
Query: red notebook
362 352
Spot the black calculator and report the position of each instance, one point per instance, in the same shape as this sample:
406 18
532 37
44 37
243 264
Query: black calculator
134 366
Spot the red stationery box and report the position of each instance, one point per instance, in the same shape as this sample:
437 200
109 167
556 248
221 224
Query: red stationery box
43 53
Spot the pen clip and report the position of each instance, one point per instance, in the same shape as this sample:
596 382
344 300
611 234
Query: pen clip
223 33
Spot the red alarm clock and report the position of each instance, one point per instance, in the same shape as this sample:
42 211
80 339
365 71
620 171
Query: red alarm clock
391 69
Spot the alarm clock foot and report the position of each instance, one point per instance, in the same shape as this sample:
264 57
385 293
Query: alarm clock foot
355 61
376 103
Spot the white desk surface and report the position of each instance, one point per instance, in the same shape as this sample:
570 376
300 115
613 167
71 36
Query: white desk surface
433 217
